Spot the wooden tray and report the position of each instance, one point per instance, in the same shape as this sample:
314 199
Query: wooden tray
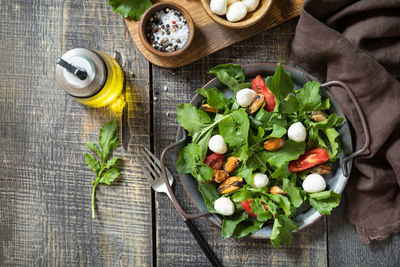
210 36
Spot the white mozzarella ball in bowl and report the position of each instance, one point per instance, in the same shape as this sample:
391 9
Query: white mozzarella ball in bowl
251 4
224 206
314 183
236 11
245 97
218 6
297 132
217 144
260 180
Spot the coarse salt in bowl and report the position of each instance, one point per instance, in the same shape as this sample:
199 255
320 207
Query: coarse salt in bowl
166 29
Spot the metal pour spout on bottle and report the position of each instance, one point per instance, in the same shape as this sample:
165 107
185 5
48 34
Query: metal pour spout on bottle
93 78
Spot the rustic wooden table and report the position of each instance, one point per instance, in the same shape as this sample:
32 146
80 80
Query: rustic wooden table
45 217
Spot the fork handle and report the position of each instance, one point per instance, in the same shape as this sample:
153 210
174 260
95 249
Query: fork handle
203 244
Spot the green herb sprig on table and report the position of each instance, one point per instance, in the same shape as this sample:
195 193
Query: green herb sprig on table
130 8
105 170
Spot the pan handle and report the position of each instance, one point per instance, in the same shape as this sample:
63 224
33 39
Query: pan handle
164 171
363 123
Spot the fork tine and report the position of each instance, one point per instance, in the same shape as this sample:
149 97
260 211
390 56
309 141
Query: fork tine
147 170
153 160
156 171
157 162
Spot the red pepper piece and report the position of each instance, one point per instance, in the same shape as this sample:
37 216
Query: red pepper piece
259 86
311 158
215 161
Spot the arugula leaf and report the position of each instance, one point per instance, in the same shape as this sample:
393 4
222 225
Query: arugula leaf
324 201
130 8
210 194
235 128
191 118
309 97
108 139
290 151
105 172
247 227
241 195
229 224
258 209
215 98
92 162
281 83
292 192
289 105
282 231
327 128
283 202
326 104
109 176
190 161
281 173
231 75
277 132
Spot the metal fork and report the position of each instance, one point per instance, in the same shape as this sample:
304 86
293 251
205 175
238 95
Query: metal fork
151 167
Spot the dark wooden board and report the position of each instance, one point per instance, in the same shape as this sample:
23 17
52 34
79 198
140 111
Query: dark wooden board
211 36
45 189
45 185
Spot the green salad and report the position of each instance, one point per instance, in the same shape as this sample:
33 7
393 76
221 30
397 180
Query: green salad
261 155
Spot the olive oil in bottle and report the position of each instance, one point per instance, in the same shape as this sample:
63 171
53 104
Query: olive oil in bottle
93 78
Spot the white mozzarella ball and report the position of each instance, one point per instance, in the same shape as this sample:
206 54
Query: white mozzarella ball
218 7
217 144
224 206
297 132
230 2
245 97
236 11
260 180
251 4
314 183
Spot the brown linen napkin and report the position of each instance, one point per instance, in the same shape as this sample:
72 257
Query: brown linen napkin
359 44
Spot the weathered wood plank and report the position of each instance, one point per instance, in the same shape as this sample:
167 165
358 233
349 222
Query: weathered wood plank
346 248
175 245
45 186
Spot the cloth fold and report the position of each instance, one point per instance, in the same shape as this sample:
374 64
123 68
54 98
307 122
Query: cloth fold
358 42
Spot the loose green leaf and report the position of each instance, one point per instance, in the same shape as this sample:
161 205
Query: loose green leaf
104 170
109 176
130 8
94 148
108 138
324 201
229 224
111 162
92 162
